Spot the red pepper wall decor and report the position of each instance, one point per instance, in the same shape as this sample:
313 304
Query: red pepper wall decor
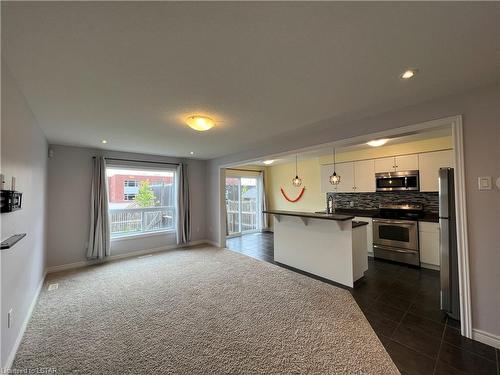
294 199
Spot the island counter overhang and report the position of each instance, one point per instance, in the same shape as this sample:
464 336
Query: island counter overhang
327 245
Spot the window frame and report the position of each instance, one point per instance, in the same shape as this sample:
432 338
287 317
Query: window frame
134 166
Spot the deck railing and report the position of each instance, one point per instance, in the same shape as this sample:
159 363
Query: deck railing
126 221
249 219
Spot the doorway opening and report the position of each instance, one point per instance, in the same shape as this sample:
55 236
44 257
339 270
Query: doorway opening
348 176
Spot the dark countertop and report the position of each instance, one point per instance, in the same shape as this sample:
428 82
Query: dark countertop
310 215
356 224
431 217
357 212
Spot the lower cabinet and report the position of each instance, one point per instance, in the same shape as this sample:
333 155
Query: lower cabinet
369 234
429 244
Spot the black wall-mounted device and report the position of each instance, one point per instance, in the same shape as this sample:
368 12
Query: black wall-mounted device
11 200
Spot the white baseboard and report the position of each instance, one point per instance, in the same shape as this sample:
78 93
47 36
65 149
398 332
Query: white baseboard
486 338
213 243
10 359
430 266
85 263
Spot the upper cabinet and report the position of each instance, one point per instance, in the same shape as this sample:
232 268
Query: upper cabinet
385 165
429 164
364 176
359 176
397 163
346 173
356 177
407 163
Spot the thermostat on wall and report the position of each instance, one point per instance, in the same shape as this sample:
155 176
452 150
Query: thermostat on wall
484 183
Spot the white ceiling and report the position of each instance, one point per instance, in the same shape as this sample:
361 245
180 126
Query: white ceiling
129 72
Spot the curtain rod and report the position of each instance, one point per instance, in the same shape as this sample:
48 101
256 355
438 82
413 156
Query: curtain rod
242 170
139 161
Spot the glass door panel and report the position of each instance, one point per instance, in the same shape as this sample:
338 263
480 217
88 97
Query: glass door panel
242 204
233 205
249 198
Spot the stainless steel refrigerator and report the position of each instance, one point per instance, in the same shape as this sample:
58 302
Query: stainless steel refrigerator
450 302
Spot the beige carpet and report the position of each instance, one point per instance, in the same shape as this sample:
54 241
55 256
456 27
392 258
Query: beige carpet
198 311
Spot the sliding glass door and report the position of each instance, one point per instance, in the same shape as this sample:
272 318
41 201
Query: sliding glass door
242 204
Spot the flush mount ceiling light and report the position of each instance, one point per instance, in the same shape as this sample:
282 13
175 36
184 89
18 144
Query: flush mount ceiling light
296 181
408 74
104 141
200 123
334 178
377 142
191 153
268 162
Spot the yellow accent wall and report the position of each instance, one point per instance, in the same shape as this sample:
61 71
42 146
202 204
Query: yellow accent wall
282 174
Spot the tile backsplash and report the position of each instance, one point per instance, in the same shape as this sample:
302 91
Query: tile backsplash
370 201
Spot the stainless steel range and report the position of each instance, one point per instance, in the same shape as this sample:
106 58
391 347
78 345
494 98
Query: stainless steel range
395 233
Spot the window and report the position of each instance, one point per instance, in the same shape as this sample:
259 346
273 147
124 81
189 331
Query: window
132 183
140 201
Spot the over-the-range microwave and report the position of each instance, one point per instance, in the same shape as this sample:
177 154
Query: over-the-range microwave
394 181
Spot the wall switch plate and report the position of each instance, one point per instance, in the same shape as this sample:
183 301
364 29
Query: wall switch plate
10 318
484 183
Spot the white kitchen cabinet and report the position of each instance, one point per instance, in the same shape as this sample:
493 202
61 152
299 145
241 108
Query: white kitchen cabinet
346 173
406 163
385 165
369 234
396 163
429 244
364 176
429 164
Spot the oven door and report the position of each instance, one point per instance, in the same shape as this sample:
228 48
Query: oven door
402 234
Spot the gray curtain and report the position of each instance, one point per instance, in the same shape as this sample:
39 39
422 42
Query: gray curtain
263 201
99 220
183 206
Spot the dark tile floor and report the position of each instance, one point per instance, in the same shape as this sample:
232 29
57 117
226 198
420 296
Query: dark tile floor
402 305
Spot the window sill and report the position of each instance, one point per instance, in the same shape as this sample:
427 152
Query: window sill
143 235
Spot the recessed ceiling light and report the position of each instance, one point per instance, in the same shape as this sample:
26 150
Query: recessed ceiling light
377 142
268 162
410 73
104 141
200 123
191 153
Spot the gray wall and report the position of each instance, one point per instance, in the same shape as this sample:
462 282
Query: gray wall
481 118
24 155
70 171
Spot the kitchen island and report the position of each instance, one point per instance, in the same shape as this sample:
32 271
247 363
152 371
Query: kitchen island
327 245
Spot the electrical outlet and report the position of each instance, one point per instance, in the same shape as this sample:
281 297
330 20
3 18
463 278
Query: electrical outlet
10 318
53 287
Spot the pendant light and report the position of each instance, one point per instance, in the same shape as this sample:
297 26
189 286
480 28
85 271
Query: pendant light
334 178
296 181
